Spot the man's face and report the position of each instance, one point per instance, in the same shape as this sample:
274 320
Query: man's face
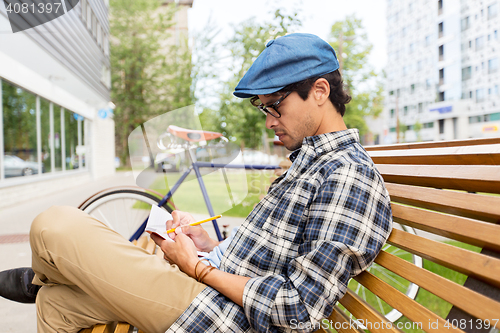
296 122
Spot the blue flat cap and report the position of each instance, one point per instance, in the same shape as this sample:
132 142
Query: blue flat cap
286 60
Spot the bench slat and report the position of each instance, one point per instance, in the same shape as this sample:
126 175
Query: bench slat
122 328
470 155
360 309
338 316
481 178
411 309
476 206
435 144
108 328
150 246
478 233
477 305
480 266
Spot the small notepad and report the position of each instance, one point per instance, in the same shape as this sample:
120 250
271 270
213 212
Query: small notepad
157 222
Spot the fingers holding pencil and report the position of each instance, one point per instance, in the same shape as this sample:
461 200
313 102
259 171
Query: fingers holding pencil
188 226
195 223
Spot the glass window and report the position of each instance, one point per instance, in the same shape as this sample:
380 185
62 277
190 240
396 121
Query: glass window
465 23
84 10
474 119
57 138
19 130
493 65
479 43
427 40
495 116
466 73
492 11
89 18
45 135
71 139
480 95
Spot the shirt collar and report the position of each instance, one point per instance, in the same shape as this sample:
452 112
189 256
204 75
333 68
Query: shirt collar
327 142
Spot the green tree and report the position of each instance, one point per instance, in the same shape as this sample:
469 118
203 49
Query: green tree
151 73
236 117
417 127
350 41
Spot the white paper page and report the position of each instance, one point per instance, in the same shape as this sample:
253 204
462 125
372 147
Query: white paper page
157 222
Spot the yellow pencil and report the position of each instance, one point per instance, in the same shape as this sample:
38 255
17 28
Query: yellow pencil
195 223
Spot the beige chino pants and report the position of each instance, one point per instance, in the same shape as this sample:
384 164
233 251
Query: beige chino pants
91 274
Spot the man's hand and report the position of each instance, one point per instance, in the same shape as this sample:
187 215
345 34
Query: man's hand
199 236
181 252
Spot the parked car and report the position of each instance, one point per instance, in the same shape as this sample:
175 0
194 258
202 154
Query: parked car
249 156
15 167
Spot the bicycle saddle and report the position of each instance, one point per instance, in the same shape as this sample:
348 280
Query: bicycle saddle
193 135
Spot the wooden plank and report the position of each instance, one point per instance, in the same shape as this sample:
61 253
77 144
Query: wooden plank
468 155
481 178
340 322
142 242
371 318
477 305
476 206
122 328
435 144
470 263
107 328
150 246
86 330
478 233
411 309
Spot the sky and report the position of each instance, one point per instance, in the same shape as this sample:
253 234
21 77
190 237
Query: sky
318 17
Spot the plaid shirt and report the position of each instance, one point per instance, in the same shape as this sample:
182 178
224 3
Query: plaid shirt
317 227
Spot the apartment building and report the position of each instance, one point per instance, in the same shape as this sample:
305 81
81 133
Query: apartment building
442 76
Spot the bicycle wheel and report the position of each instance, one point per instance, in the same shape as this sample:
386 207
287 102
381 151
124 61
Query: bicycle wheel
403 285
122 209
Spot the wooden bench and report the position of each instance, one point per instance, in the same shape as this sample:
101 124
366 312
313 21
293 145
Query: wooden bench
442 189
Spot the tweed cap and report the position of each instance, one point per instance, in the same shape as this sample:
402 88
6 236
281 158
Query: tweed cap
286 60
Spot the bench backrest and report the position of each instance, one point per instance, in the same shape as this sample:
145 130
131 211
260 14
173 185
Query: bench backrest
449 192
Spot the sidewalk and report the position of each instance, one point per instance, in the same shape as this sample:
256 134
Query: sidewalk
15 251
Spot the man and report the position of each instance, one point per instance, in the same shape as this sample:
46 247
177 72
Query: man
321 223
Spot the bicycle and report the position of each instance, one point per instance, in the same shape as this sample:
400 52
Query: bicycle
120 207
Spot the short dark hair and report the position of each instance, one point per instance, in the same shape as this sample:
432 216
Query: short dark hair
338 92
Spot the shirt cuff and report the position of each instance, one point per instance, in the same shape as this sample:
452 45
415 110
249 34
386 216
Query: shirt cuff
258 300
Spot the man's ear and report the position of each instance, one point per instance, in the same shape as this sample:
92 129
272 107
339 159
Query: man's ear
321 91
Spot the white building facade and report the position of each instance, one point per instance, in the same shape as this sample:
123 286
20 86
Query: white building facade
443 70
56 128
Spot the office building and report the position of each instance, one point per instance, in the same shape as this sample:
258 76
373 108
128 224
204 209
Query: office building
442 73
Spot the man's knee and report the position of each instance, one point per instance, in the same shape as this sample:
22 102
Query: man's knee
53 222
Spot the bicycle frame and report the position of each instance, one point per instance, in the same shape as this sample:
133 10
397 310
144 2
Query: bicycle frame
195 165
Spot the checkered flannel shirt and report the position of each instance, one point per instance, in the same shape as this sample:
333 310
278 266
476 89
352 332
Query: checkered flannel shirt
316 228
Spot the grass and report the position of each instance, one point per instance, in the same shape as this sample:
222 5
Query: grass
425 298
245 190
